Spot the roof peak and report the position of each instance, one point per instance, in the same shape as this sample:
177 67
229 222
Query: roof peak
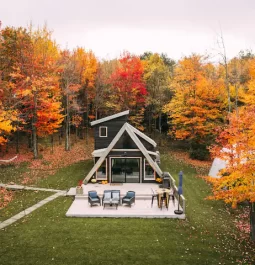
114 116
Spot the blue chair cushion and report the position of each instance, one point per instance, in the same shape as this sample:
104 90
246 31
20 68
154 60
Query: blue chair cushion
126 199
93 194
130 194
94 199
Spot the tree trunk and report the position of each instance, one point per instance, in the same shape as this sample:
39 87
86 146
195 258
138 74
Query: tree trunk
34 131
17 142
159 126
159 122
52 143
87 115
252 220
67 127
34 141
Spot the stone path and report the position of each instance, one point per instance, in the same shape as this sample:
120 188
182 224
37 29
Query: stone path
21 187
18 216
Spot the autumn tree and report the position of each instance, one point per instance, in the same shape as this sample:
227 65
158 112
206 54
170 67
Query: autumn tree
14 45
103 88
69 87
34 79
236 146
86 71
198 104
157 78
128 89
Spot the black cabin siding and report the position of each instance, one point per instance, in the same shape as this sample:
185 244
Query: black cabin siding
146 144
113 127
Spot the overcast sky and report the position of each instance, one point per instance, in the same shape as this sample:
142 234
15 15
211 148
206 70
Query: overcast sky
108 27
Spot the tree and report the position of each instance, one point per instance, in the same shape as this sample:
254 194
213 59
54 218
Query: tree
157 78
86 71
198 104
128 88
236 145
70 86
34 79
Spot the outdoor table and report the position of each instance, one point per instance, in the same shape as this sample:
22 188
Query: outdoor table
160 193
110 203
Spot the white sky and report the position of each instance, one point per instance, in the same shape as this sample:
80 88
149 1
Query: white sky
108 27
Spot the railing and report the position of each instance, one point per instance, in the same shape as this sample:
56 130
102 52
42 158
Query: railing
175 190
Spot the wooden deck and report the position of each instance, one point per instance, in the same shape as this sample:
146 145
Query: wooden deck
141 209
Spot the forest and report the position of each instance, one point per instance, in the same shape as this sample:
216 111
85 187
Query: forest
45 90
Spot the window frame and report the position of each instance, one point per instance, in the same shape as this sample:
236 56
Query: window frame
106 171
106 131
154 172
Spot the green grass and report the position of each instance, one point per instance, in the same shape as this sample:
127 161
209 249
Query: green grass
206 237
47 236
68 177
63 179
12 173
21 201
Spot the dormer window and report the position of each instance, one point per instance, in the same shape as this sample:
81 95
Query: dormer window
102 131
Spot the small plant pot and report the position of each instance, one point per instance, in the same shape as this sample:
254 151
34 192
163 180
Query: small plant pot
79 190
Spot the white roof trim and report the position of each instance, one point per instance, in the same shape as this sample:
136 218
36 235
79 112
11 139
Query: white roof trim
143 150
152 153
105 153
98 152
142 135
126 112
129 129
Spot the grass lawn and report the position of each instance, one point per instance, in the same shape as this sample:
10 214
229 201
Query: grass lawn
67 177
21 201
12 173
46 236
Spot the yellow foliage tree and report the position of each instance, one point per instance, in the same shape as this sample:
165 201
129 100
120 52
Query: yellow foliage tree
198 104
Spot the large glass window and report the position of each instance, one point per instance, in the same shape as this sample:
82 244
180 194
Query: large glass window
126 170
102 171
149 172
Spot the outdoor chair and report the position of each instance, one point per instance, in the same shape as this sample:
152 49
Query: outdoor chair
171 196
107 197
153 197
116 196
111 198
164 200
129 198
93 198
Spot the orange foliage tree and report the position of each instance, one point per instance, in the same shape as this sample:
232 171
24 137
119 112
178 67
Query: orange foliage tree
198 104
36 87
236 145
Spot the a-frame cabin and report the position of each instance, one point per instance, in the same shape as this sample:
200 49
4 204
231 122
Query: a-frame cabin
122 153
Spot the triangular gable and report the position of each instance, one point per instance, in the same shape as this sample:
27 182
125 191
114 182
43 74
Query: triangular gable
129 129
143 150
125 142
108 118
106 152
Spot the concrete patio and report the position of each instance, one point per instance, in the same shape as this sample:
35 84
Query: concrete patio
141 209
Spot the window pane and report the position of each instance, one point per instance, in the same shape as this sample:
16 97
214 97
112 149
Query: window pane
102 172
149 171
103 131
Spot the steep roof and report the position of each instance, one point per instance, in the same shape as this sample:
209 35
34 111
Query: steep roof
108 118
132 133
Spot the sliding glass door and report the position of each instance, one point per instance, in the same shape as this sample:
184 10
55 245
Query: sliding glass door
125 170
